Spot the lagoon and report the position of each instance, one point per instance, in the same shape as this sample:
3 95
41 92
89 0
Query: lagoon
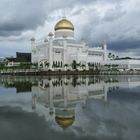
70 107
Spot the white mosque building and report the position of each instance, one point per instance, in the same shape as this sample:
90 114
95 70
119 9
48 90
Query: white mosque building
61 51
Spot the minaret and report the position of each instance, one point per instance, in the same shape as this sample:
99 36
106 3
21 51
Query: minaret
32 42
51 102
83 42
50 49
32 49
105 92
34 102
105 51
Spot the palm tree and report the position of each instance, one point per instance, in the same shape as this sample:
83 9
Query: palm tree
74 64
113 56
109 55
117 57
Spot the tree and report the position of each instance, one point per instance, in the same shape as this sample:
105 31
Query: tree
113 56
117 57
109 55
74 64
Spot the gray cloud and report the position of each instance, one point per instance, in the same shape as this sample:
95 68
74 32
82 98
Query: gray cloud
96 21
18 16
124 45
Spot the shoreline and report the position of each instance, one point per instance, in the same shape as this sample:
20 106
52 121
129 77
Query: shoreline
47 73
51 73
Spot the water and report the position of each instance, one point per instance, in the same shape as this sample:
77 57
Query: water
70 108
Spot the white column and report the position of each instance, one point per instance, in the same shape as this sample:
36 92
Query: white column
105 93
51 105
32 48
33 101
65 96
87 67
50 50
64 52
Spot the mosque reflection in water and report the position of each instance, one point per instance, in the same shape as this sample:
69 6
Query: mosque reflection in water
61 96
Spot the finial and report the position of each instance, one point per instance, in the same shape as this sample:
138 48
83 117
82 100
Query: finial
64 14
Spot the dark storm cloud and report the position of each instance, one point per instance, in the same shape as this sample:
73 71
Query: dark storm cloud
18 16
118 26
124 45
21 15
95 20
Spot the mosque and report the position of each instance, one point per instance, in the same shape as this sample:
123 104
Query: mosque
62 51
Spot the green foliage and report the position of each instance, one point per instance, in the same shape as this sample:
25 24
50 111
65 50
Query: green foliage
2 66
74 64
24 86
24 66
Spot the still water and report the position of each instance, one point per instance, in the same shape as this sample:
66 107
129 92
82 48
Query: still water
70 108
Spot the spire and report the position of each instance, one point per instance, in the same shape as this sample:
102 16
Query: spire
64 14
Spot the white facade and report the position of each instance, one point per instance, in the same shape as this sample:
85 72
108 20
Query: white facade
60 50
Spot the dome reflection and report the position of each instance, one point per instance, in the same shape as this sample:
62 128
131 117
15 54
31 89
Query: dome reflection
61 95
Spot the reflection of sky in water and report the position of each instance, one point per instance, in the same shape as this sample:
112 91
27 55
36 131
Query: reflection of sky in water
118 118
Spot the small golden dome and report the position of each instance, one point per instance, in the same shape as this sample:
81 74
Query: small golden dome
32 39
64 24
50 34
64 122
45 40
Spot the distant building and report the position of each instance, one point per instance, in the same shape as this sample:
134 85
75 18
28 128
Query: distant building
20 58
23 57
126 64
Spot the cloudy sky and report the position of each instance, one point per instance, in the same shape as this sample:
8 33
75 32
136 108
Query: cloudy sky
116 21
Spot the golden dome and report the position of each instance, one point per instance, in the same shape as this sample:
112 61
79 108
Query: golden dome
64 24
64 122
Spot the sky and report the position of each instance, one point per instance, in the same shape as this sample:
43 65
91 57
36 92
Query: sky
115 21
